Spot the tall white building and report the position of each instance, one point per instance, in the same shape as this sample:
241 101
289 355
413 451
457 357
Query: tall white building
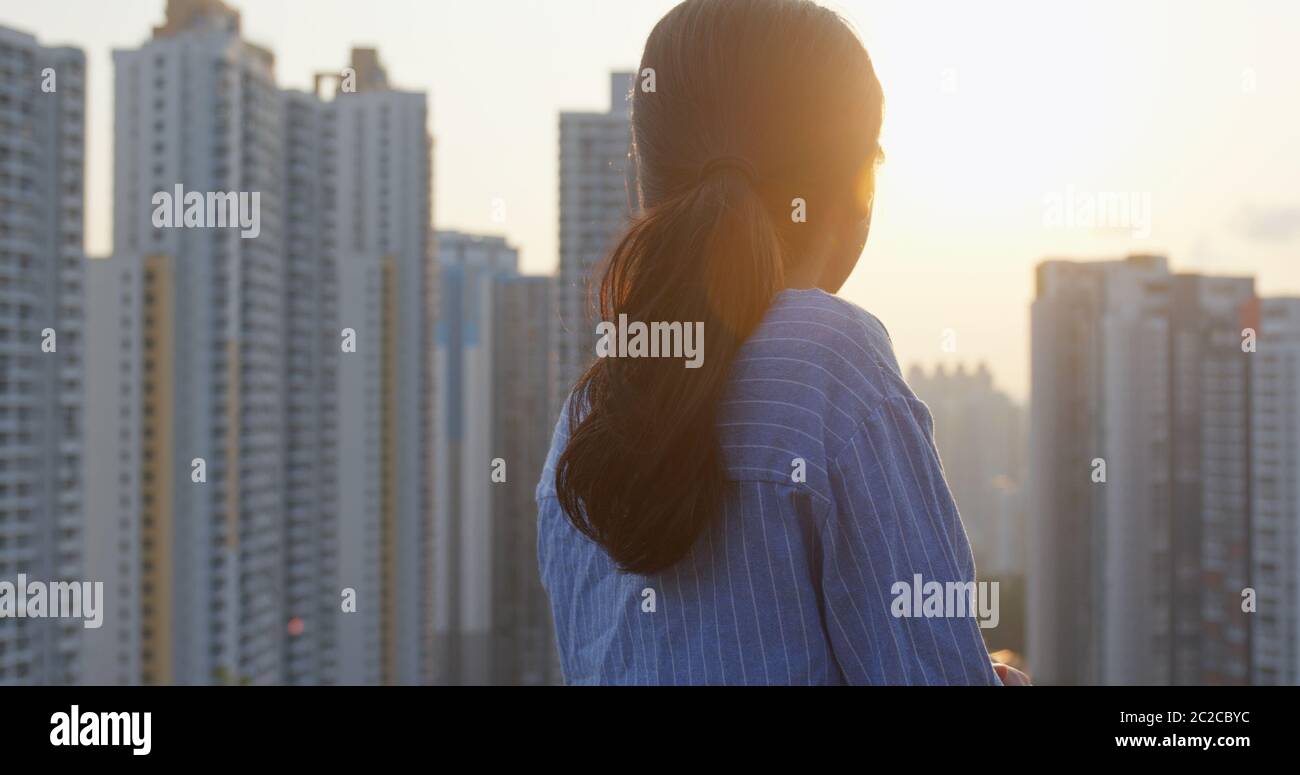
293 365
379 190
187 465
1099 384
1139 471
597 195
1275 521
42 152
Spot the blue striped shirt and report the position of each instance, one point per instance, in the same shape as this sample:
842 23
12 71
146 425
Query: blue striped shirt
793 583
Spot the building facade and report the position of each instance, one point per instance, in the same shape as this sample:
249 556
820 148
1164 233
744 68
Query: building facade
1275 489
261 396
42 348
1140 470
191 472
597 196
494 378
523 638
381 190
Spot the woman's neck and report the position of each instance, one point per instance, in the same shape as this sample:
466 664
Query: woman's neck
807 273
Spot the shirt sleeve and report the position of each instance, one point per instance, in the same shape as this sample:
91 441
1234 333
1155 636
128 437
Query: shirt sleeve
892 539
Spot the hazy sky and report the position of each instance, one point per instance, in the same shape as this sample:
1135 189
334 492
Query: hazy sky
1004 122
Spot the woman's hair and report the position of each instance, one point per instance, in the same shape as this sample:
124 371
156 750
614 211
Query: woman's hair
757 106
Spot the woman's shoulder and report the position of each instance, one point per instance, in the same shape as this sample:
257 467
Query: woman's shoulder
812 373
825 342
559 440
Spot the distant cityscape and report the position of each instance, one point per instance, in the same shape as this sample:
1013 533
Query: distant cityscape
1165 460
309 456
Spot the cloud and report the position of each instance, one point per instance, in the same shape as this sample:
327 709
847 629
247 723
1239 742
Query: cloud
1268 224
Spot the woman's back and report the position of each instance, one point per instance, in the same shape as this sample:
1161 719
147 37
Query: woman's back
834 494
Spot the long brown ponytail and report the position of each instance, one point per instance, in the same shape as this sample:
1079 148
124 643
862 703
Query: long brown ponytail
758 105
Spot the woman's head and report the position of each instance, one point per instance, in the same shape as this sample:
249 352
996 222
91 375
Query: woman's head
783 84
755 155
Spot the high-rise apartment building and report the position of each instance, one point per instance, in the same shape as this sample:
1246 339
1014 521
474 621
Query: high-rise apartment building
1212 457
311 398
494 378
1139 475
42 267
379 193
192 463
597 195
261 395
1275 491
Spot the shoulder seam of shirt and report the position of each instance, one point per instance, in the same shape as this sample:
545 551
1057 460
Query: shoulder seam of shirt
866 422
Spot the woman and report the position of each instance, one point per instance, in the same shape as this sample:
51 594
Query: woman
749 520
